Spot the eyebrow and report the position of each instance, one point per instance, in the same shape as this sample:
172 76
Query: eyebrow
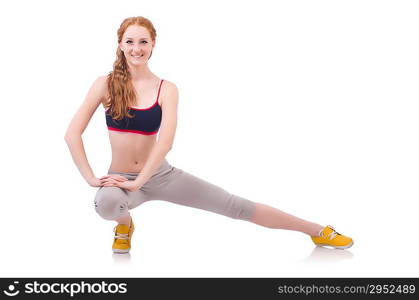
133 38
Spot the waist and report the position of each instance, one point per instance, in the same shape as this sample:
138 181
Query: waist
164 165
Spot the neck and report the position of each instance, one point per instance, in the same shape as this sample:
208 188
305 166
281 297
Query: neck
140 72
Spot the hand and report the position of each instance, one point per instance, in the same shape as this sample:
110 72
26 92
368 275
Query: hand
94 181
97 182
120 181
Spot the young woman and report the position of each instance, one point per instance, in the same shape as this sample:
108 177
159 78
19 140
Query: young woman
138 105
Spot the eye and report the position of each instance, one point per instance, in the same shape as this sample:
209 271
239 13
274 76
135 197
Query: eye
141 42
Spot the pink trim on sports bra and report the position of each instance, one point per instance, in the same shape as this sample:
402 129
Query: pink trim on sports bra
133 131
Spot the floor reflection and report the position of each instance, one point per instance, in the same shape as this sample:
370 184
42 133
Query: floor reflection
121 257
327 255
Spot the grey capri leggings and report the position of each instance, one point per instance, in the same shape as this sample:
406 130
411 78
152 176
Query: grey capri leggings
174 185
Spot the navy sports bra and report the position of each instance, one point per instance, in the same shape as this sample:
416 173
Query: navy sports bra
145 121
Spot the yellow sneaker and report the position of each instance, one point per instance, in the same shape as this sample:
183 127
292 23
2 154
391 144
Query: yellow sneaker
122 239
329 237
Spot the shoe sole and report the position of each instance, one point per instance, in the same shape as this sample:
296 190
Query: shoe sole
337 247
120 251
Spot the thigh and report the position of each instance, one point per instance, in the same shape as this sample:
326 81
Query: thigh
118 196
186 189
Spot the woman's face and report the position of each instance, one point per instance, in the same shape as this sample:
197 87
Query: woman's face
136 44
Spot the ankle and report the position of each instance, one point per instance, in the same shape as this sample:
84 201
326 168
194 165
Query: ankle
125 220
317 230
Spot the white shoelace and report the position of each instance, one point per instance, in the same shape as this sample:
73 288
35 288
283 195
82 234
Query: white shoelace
331 235
122 236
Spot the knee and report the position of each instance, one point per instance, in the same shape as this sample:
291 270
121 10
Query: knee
110 203
241 208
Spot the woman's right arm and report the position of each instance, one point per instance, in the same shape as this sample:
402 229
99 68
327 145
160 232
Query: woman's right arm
79 123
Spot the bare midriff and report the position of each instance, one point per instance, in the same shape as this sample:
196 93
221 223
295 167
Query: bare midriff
130 151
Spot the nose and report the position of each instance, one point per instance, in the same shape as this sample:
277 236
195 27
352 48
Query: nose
137 48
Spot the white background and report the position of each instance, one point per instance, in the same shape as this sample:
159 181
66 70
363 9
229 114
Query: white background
307 106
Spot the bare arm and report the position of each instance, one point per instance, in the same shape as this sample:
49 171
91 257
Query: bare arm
78 124
166 136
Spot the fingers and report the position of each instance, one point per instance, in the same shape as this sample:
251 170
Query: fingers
112 181
120 178
109 182
104 180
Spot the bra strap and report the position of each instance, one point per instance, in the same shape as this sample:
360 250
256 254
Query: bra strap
158 94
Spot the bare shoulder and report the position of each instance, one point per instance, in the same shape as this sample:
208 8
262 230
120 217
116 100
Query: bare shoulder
102 85
169 91
170 86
